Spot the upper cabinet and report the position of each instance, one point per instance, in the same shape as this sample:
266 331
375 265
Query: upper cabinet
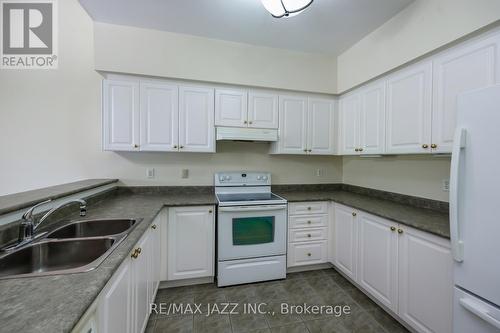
409 111
196 119
463 68
363 121
262 110
239 108
306 125
156 116
159 117
231 107
120 115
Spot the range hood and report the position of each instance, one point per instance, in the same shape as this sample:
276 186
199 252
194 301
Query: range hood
246 134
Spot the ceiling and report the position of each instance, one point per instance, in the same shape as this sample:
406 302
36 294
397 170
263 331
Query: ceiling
327 26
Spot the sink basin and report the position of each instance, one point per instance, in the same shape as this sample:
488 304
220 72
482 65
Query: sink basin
93 228
56 257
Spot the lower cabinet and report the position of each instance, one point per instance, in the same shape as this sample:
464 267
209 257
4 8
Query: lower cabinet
406 270
123 306
191 242
307 233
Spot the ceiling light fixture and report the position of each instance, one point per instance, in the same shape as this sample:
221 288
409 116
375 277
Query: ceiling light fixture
286 8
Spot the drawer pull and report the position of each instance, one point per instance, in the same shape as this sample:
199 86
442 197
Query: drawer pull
309 208
400 231
354 214
308 254
153 226
309 222
393 228
309 235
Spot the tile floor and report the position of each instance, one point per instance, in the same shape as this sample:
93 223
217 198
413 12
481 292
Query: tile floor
322 287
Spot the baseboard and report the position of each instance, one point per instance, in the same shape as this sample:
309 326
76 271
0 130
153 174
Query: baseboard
186 282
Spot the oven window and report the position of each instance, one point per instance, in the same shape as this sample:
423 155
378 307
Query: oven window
253 230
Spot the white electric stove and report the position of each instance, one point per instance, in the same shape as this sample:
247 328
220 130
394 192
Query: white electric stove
251 230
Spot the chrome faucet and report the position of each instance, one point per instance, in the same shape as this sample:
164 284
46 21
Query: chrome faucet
28 225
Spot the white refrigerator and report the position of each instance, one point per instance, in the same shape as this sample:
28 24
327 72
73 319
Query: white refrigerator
474 219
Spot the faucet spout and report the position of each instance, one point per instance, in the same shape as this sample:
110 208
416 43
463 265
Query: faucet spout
83 210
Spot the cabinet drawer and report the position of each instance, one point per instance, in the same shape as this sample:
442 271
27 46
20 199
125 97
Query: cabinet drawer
308 234
308 221
297 208
309 253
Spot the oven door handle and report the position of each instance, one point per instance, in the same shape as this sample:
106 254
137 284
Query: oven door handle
251 208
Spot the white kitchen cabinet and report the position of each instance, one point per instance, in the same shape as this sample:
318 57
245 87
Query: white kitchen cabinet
142 278
307 253
372 119
346 240
116 301
363 120
196 119
293 125
350 108
473 65
159 117
121 115
409 110
263 110
155 258
321 127
191 242
425 281
231 107
378 259
307 126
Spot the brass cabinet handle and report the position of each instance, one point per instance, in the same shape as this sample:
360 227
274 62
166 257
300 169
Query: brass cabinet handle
393 228
309 235
425 146
139 250
181 147
354 214
309 208
400 231
136 146
245 122
434 146
360 149
175 146
210 211
135 254
310 150
356 149
308 222
250 122
153 226
308 254
305 150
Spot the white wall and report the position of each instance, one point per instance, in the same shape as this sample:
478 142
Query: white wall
158 53
423 26
420 176
50 129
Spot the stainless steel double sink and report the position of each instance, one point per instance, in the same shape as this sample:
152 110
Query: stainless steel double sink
72 248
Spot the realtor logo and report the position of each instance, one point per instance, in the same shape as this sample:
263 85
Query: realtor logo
29 34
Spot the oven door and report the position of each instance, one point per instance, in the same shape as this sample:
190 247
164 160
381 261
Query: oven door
251 231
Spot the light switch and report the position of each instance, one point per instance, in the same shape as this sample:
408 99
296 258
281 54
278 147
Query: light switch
150 173
185 173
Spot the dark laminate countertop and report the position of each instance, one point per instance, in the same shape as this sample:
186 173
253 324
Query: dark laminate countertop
428 220
67 297
13 202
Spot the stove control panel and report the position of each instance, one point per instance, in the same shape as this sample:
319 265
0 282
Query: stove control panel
243 178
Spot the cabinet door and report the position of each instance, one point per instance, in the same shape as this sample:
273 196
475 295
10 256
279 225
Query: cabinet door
115 304
120 115
191 238
372 119
378 259
154 259
346 240
321 129
293 125
466 67
159 117
140 266
409 110
262 110
231 107
196 120
425 281
349 124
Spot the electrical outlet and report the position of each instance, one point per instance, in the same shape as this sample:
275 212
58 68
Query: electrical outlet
446 185
319 172
150 173
185 173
